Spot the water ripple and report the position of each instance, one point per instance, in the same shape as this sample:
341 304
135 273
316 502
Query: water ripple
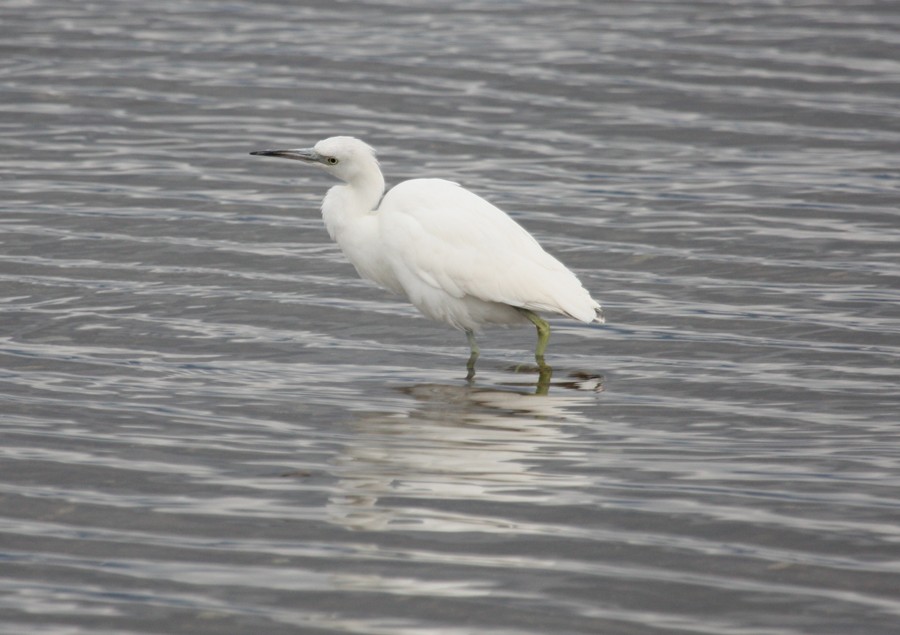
211 425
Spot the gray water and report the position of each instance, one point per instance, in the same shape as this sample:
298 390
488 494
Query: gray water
210 425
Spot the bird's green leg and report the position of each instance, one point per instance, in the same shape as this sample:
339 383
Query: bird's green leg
470 365
543 330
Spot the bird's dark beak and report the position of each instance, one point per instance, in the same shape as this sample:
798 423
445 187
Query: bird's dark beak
304 154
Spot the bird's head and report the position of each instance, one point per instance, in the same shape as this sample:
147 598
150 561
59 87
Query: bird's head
347 158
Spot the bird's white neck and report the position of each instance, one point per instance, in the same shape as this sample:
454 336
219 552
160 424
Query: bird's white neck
347 203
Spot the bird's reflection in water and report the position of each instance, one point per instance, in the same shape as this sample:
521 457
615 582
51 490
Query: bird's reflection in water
576 380
429 466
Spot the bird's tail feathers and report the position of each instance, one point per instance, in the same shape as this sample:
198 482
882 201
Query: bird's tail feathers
591 315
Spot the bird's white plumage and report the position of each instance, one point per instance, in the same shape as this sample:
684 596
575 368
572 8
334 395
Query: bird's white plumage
458 258
440 235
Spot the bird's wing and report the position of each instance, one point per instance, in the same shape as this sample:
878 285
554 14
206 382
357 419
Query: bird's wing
438 233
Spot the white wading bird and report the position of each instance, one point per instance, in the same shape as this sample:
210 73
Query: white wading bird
458 259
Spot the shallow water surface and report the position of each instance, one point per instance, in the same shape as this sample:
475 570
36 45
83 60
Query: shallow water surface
210 425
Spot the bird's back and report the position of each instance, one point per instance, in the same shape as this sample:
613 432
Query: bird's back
439 234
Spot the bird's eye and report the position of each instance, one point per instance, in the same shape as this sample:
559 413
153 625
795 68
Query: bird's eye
332 160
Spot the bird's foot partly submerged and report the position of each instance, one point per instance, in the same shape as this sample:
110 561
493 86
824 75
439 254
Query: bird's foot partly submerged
473 357
544 372
470 367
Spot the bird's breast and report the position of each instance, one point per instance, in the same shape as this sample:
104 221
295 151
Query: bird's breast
359 243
